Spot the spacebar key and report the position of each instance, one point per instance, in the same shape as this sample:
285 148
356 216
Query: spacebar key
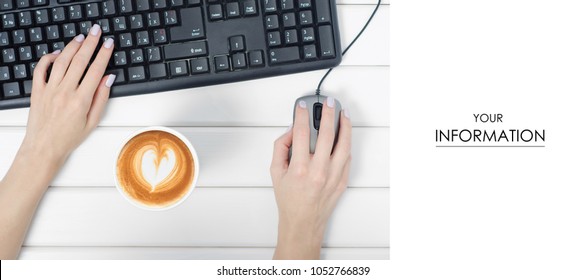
185 50
284 55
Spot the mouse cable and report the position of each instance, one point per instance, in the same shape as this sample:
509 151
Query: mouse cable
318 90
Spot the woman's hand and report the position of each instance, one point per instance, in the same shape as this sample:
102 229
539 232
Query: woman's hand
66 109
63 112
308 187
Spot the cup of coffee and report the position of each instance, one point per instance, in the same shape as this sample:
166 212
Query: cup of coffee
156 168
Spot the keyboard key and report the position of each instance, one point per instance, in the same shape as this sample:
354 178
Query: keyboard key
288 4
191 26
304 4
142 38
153 19
35 34
25 19
25 53
154 54
309 52
22 4
6 5
306 18
125 40
216 12
160 4
40 2
52 32
8 21
274 39
4 39
322 9
119 24
158 71
222 63
178 68
160 36
326 42
57 46
250 8
105 24
136 74
270 6
8 55
199 66
4 73
237 43
108 8
42 16
120 58
272 22
120 76
284 55
176 3
307 35
291 37
289 20
125 6
28 87
170 17
193 2
136 56
136 22
68 31
92 10
20 71
185 50
41 50
233 9
256 58
239 61
75 12
11 90
84 27
58 14
142 5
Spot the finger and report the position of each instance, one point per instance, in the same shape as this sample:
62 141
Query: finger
94 75
62 62
281 154
327 133
83 56
40 74
100 99
300 153
344 145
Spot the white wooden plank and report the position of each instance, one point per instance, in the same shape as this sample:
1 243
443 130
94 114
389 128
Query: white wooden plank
373 46
210 217
244 153
187 253
267 102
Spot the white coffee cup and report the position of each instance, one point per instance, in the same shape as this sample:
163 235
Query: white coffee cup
150 176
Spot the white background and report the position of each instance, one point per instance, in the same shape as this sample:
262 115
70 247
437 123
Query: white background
232 213
488 213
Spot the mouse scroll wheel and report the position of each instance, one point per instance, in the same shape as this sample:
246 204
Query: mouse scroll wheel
317 110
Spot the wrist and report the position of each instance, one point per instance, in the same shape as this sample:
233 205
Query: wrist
296 241
40 163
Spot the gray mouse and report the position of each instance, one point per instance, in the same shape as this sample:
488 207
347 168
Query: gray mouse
315 104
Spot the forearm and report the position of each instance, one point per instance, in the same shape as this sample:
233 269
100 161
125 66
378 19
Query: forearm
297 243
20 192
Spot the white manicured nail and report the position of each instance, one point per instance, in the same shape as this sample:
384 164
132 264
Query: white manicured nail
110 80
302 104
347 113
95 30
109 43
79 38
57 52
330 101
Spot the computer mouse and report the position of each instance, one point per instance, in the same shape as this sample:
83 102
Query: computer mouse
315 103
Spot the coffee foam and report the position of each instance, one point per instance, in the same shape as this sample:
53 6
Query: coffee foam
156 169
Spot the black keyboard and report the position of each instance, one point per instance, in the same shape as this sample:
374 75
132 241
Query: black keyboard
165 45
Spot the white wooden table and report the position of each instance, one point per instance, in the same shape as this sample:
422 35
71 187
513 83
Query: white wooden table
232 213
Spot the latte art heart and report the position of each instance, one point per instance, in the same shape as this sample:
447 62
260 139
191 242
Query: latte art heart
156 169
157 166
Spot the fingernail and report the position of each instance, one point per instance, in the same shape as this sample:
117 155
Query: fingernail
347 113
110 80
57 52
330 101
109 43
302 104
95 29
79 38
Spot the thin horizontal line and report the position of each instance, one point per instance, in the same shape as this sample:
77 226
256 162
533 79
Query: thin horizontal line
489 146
